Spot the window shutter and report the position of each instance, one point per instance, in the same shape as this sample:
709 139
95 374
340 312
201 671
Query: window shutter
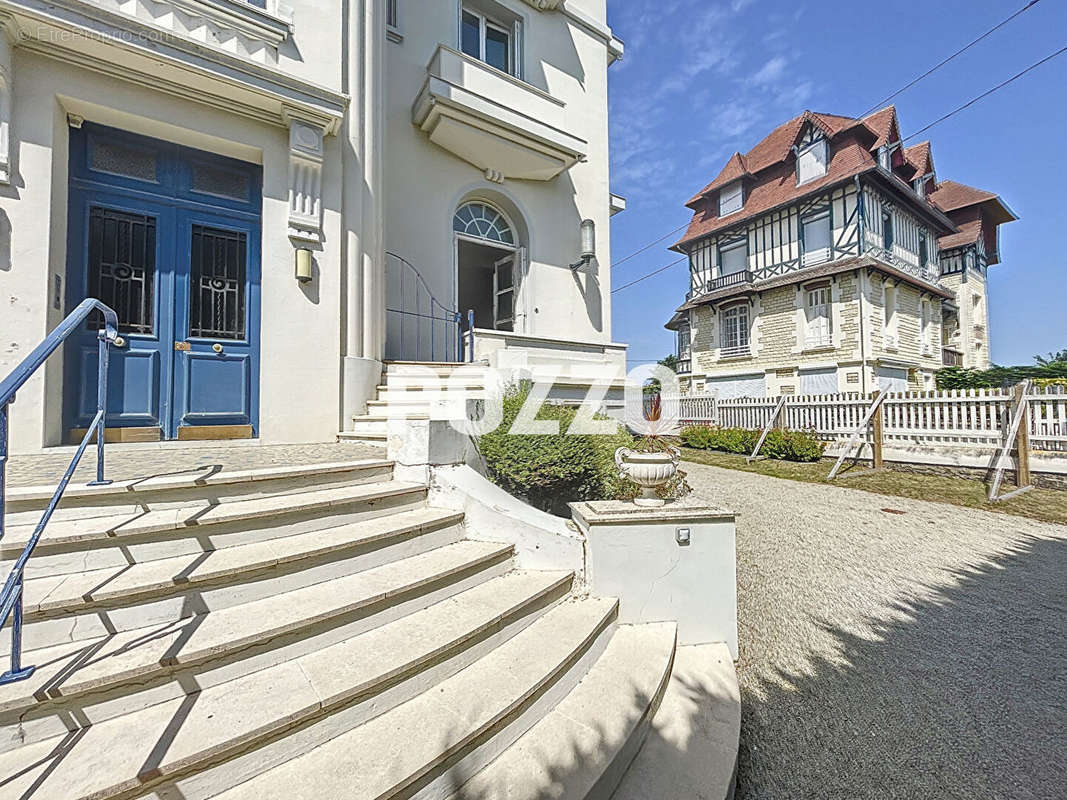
731 199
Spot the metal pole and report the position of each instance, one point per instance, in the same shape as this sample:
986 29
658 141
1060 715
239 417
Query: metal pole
101 407
3 464
470 335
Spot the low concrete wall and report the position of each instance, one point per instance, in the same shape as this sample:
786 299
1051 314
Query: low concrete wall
676 563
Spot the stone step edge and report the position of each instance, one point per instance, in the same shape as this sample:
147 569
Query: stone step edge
138 486
265 638
604 768
477 735
50 609
241 510
555 587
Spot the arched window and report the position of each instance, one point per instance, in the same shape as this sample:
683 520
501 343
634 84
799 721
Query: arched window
483 222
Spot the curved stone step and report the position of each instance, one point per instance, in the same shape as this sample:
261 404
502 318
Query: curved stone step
366 670
191 486
364 600
360 545
75 545
421 747
581 749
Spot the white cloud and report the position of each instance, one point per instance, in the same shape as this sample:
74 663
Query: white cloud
771 72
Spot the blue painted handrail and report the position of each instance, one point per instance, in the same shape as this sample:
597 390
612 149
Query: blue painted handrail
435 313
11 595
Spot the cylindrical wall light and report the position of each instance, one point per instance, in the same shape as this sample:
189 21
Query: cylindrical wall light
304 271
588 231
588 240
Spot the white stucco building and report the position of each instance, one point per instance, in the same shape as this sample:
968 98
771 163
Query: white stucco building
275 198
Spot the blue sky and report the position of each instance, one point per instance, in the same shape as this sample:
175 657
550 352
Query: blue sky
703 79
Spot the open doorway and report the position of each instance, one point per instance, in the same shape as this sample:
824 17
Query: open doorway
489 264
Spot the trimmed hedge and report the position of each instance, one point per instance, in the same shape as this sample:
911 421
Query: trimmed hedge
551 471
780 445
998 377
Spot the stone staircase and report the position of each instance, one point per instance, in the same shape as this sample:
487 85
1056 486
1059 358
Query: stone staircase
308 632
411 390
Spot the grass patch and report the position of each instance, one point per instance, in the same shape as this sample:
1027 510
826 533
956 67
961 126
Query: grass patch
1046 505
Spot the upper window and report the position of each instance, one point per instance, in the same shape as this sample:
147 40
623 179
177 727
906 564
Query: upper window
392 13
733 258
924 248
735 330
483 222
887 231
816 234
488 39
818 316
812 161
731 199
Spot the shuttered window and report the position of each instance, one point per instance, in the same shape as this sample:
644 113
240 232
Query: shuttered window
812 161
816 240
733 259
731 199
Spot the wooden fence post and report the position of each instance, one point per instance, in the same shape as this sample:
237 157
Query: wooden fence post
1022 440
877 433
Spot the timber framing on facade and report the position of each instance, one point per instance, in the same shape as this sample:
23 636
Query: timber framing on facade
858 267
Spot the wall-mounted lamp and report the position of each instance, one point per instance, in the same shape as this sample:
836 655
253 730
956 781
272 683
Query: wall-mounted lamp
303 265
588 243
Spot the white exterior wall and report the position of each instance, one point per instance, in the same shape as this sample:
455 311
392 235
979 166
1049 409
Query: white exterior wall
299 374
426 183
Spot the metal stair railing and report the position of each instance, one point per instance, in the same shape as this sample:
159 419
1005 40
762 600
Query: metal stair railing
11 595
429 311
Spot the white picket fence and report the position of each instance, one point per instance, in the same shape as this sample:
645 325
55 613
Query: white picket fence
971 418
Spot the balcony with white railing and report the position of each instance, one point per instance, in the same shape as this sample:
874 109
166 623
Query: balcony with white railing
735 351
495 121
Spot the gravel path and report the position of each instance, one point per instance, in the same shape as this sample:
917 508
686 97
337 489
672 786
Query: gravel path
895 655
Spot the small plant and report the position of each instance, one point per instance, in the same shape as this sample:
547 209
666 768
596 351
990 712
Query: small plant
780 445
654 440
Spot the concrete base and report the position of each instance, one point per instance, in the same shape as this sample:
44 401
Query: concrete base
671 563
361 378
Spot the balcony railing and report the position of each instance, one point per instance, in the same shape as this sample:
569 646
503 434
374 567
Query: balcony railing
738 351
733 279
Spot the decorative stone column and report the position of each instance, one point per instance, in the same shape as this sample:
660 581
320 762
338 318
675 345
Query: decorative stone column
364 245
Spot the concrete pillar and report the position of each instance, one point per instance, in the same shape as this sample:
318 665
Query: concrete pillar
364 259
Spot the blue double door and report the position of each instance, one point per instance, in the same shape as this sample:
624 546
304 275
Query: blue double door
169 237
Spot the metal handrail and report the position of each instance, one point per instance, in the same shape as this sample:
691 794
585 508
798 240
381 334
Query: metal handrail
11 595
438 312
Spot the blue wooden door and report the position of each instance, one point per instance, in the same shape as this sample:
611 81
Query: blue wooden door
169 237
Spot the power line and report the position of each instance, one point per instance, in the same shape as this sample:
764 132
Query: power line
985 94
649 246
649 275
960 52
882 104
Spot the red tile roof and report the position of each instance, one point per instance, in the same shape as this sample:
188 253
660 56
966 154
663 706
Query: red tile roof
950 195
780 188
969 233
920 158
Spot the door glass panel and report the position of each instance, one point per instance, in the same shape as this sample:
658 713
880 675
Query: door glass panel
220 182
217 283
497 48
120 158
122 267
471 35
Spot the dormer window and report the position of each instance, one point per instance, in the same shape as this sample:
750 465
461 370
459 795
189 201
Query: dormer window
812 160
884 160
920 187
731 199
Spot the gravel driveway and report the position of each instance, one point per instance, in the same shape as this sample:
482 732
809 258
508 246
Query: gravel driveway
885 655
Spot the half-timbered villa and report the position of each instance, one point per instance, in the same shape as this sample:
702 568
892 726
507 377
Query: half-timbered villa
830 258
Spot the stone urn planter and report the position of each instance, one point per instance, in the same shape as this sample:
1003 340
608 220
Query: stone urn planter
649 470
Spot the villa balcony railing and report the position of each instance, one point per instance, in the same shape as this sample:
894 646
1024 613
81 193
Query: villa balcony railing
738 351
685 366
732 279
495 121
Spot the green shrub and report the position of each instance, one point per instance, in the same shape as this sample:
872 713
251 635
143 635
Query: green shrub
780 445
997 377
549 471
